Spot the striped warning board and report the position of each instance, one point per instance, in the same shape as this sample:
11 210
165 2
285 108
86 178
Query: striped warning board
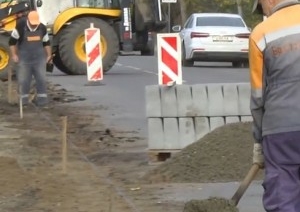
169 58
93 54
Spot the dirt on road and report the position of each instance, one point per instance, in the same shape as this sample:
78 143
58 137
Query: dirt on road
106 168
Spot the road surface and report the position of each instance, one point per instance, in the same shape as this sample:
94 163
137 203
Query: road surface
123 92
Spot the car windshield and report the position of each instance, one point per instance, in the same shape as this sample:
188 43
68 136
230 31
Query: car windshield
219 21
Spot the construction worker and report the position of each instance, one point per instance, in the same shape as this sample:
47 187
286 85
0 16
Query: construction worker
30 50
274 57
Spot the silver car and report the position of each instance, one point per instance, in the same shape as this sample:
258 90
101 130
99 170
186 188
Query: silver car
218 37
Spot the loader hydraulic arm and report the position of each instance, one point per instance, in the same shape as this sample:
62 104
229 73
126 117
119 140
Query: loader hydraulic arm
11 10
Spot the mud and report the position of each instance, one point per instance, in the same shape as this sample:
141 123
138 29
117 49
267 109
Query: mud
224 155
212 204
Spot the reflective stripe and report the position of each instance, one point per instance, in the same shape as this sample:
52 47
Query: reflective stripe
25 96
42 95
282 33
257 93
261 44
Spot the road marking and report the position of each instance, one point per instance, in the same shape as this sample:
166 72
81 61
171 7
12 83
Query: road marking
142 70
132 67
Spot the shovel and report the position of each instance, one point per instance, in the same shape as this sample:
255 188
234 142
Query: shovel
217 204
245 184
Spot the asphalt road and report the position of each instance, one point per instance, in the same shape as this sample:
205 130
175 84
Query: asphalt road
122 99
123 89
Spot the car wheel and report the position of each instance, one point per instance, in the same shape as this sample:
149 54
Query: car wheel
237 64
246 64
185 62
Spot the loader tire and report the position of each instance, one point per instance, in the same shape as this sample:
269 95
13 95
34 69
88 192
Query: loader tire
72 45
59 64
5 59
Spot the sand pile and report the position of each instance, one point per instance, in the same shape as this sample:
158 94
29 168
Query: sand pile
210 205
224 155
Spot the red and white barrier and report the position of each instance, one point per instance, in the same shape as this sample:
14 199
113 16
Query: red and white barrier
93 54
169 59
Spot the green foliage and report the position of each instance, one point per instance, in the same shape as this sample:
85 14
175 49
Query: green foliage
221 6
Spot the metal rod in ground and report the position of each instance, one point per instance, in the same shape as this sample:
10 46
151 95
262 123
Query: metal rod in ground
21 107
9 89
64 144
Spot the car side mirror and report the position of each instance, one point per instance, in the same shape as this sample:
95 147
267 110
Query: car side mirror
249 28
39 3
176 28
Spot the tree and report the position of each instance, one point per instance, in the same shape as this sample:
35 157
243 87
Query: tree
187 7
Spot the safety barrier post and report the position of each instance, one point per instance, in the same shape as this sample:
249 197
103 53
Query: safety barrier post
93 55
169 59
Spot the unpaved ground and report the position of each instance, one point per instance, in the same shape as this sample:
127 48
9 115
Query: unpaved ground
101 174
105 169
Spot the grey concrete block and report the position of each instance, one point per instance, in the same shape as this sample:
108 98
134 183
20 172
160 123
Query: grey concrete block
215 99
246 118
232 119
168 101
244 91
186 131
171 133
216 122
200 100
184 101
201 127
155 133
230 101
153 102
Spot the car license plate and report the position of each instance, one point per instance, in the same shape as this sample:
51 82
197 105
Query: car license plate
220 38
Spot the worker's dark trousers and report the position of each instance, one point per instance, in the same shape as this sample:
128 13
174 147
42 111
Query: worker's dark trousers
282 172
24 74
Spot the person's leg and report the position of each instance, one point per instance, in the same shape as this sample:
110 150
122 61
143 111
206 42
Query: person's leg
24 76
282 172
39 73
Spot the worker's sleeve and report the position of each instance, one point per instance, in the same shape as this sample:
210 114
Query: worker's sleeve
46 39
14 37
256 81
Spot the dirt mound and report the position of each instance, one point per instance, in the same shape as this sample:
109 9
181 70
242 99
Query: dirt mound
223 155
210 205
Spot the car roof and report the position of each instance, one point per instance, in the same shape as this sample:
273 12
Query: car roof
217 14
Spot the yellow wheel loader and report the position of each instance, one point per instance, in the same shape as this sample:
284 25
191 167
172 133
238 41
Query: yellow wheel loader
125 25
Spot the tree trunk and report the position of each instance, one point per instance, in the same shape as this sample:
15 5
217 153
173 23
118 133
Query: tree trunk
182 11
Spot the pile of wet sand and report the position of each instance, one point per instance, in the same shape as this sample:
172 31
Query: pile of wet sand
224 155
210 205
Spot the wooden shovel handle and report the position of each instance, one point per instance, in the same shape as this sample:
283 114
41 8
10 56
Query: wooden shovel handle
245 184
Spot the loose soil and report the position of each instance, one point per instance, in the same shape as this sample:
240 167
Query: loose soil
210 205
107 168
223 155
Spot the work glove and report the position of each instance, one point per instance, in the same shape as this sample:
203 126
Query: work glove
258 157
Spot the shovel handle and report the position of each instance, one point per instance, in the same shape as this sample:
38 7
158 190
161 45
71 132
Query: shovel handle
245 184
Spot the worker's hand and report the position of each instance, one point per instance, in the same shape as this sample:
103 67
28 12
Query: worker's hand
15 58
258 157
49 59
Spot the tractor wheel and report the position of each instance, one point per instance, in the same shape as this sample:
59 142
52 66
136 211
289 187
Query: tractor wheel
72 45
5 60
59 64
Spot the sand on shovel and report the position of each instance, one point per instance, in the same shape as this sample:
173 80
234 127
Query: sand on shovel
213 204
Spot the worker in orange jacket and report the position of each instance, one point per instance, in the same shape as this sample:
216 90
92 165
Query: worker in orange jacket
274 58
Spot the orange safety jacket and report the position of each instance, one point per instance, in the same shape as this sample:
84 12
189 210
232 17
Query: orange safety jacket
274 58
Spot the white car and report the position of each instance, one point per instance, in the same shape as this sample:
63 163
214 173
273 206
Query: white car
218 37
